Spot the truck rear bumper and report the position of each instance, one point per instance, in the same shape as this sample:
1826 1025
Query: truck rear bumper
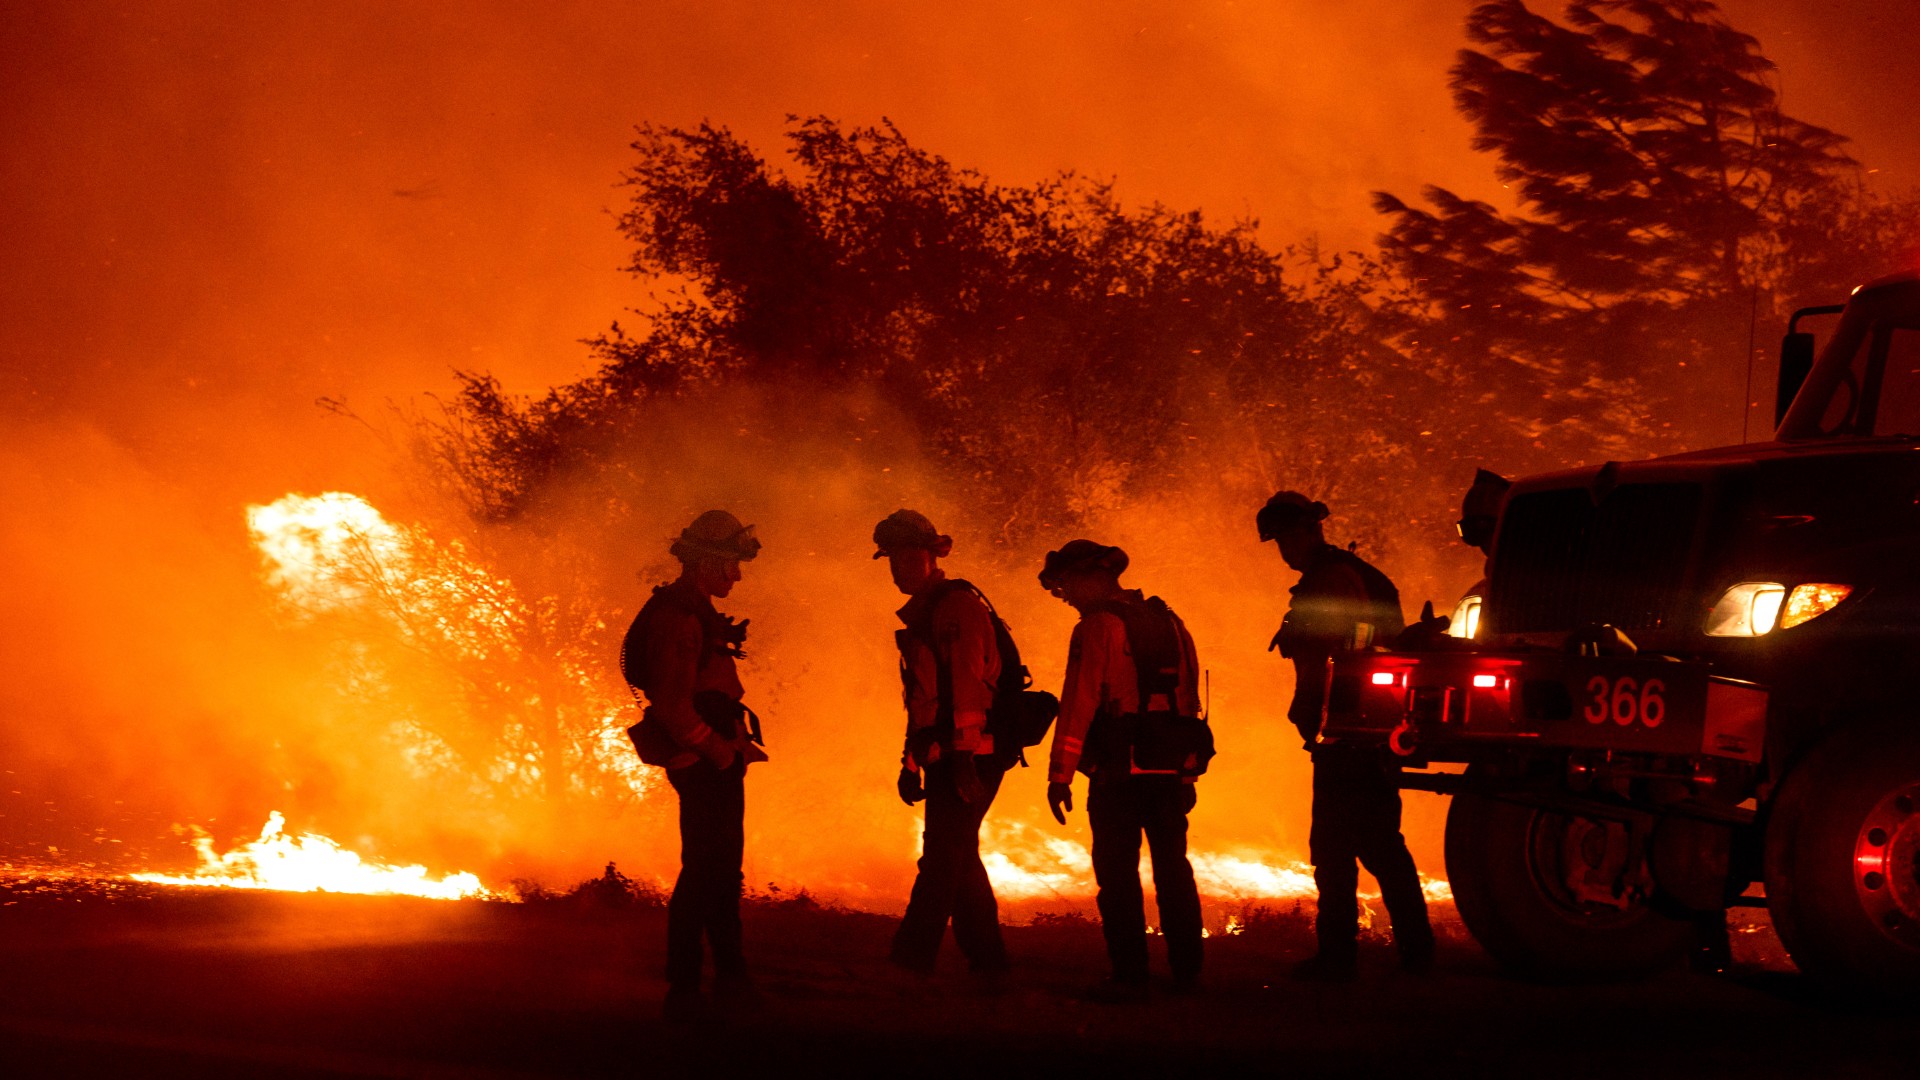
1459 706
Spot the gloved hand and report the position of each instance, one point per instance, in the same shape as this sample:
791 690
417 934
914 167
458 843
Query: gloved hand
1309 735
1060 800
909 784
966 780
1189 797
1429 632
753 752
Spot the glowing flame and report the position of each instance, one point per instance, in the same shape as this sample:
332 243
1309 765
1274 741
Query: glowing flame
1025 864
309 543
312 863
335 555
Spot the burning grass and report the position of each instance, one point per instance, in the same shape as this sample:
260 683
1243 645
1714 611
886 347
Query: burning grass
309 862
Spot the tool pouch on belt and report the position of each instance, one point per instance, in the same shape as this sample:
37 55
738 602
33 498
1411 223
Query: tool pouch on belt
651 740
1018 718
1150 744
1169 743
728 718
1021 718
1155 742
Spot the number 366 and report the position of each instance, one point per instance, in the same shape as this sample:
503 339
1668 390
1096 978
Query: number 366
1625 700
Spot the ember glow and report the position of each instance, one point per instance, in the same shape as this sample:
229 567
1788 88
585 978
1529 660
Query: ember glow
308 862
336 554
310 545
1027 864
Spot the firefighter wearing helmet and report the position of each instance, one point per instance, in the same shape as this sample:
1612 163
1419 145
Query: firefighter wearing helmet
680 654
950 668
1341 604
1130 719
1479 518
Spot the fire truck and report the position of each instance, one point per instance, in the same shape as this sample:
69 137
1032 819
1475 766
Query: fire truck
1690 683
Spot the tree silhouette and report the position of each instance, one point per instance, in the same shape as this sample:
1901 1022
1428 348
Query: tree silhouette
1664 202
1056 350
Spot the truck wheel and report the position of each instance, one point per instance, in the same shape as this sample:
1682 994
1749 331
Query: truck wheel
1554 894
1843 861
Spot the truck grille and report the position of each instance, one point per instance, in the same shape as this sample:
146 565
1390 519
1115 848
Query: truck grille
1564 563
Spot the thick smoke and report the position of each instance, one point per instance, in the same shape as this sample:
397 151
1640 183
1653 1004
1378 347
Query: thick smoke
213 221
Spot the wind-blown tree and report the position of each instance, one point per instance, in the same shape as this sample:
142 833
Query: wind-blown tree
1038 358
1665 202
1059 352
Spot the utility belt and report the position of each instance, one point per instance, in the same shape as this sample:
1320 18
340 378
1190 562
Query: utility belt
1149 744
729 719
1015 722
922 741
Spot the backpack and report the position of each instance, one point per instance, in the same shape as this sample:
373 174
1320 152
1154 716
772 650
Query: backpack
718 633
1159 741
1383 598
1380 613
1020 716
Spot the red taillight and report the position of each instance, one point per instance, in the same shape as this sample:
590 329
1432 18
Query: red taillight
1385 678
1485 682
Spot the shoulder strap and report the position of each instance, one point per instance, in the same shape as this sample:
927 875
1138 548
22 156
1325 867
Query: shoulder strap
1382 595
922 625
718 633
1013 674
922 628
1154 642
635 640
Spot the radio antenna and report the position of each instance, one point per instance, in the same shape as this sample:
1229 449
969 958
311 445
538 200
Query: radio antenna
1746 399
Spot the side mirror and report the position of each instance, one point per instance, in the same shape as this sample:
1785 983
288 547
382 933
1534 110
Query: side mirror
1796 360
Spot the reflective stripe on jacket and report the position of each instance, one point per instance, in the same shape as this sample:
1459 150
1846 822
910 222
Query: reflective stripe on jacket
962 631
1328 605
1101 675
670 656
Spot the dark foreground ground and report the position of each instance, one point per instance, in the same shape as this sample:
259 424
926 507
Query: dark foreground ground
203 983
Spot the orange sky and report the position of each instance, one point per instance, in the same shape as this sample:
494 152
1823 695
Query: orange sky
218 212
214 214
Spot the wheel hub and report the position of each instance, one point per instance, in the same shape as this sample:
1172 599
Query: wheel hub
1582 865
1886 865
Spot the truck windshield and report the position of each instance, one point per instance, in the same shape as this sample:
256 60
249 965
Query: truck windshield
1866 381
1878 392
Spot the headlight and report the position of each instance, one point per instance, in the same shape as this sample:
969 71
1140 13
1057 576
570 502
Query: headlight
1749 609
1754 608
1811 600
1465 622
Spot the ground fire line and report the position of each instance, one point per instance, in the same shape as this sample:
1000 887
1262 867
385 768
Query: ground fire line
336 552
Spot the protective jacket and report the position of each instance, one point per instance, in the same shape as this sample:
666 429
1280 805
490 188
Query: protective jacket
680 653
1103 681
1341 603
949 671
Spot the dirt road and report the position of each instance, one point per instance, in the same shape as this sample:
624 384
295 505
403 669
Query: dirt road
234 984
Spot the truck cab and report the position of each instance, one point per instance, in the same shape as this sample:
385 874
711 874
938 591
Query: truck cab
1688 676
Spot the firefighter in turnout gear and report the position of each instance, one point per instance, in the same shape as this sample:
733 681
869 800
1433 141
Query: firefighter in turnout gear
680 653
1130 719
1342 604
1479 516
1480 510
950 667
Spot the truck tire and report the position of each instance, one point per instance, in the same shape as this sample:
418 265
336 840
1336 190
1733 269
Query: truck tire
1508 865
1843 860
